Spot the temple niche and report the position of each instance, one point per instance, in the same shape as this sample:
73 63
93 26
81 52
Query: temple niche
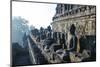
83 16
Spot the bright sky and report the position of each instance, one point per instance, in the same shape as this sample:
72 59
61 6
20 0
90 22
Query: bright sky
37 14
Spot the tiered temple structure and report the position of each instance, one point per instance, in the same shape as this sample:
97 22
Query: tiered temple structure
83 16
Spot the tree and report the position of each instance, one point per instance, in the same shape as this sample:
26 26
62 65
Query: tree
19 28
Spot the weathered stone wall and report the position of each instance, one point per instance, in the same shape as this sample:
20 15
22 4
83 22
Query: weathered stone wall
84 20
